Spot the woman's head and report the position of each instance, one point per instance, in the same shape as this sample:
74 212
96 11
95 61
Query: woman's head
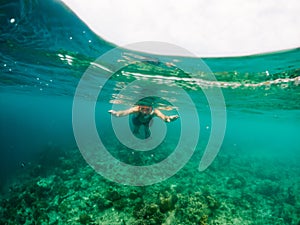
145 109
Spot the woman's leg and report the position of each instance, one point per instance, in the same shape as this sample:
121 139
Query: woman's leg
136 125
147 130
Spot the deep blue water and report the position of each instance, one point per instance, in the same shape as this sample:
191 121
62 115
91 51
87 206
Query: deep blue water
46 49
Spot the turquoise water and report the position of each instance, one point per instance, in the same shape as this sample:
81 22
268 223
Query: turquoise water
45 52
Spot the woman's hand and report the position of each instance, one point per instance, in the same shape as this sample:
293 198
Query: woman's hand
113 112
172 118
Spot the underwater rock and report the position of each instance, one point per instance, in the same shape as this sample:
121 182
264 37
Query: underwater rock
137 204
203 220
149 215
104 204
212 202
112 194
151 209
291 197
85 219
62 190
63 207
134 194
120 204
46 183
195 208
236 182
167 202
268 188
40 215
29 199
100 202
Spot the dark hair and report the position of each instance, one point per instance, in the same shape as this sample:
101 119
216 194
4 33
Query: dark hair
147 101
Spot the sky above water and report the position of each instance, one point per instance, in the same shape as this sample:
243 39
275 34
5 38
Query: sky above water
207 28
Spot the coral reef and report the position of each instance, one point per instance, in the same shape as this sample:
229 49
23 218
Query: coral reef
231 195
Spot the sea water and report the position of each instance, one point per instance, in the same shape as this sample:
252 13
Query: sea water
47 178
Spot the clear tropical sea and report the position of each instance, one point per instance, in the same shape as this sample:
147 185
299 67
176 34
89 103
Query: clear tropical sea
47 176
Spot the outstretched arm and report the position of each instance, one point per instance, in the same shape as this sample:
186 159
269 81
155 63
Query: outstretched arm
124 112
164 117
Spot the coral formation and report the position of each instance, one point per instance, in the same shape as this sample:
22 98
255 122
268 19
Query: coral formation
81 196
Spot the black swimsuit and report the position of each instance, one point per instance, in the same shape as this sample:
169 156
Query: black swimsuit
141 119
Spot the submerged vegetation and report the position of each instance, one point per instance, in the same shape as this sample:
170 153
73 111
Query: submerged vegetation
231 191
